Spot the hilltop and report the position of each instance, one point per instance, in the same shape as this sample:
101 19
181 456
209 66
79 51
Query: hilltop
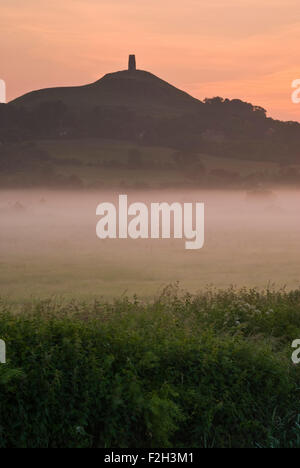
133 89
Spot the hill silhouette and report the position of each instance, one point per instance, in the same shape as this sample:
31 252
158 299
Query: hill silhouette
138 107
133 89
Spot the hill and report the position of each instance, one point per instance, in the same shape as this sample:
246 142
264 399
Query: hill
136 109
133 89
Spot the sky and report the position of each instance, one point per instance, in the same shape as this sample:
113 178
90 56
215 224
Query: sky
246 49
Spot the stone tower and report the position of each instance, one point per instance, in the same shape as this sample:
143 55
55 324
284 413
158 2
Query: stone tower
131 63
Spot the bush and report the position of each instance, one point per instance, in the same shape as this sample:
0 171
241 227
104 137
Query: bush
206 371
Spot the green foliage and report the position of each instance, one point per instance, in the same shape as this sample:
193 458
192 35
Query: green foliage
212 370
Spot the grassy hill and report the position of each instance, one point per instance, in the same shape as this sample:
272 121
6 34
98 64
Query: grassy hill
133 89
152 133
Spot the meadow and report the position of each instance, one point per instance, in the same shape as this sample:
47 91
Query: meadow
48 245
103 163
105 346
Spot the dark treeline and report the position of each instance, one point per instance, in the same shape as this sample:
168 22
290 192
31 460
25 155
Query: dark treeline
220 127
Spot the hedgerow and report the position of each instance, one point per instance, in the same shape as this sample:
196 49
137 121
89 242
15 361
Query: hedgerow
210 370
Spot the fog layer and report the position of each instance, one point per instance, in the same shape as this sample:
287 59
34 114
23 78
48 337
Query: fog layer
48 245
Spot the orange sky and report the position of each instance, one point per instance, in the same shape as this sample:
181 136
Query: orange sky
247 49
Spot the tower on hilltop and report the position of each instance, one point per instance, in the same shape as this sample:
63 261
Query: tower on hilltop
131 63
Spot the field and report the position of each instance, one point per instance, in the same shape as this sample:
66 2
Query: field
106 348
104 163
48 246
111 164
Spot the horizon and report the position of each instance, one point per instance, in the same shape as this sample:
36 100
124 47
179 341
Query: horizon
236 50
142 70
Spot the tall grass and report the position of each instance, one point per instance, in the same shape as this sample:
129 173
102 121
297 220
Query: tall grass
210 370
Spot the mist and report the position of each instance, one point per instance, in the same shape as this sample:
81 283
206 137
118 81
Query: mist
49 247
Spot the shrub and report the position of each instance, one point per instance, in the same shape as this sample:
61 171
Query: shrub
206 371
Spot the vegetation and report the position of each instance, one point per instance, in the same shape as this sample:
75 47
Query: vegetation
99 163
163 136
211 370
141 109
219 127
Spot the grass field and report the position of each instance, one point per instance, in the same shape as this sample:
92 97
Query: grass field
103 353
99 150
50 247
91 153
99 164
